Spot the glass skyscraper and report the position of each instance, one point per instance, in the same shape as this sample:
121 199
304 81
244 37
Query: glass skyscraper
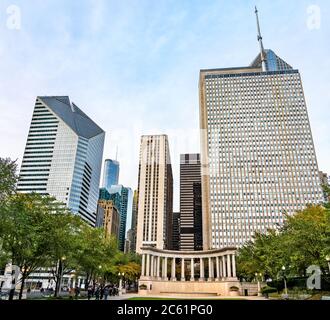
63 156
110 173
122 198
258 156
190 182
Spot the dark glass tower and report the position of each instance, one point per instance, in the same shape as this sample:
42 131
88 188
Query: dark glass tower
190 179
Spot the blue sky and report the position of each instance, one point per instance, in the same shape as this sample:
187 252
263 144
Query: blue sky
133 65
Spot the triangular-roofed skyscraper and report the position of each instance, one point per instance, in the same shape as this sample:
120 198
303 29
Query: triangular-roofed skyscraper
63 156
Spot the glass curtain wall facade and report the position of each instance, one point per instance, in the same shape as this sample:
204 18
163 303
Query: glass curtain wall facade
121 198
63 156
110 173
190 174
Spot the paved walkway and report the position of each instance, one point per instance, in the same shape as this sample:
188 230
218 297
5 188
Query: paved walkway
135 295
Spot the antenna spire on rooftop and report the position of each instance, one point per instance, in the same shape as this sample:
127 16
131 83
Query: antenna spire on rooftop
262 50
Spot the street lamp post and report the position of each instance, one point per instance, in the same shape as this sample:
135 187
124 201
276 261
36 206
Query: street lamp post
285 286
62 269
120 291
259 287
100 277
328 260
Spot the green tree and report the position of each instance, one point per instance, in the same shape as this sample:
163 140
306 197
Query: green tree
263 254
308 235
302 241
64 241
95 253
27 222
8 178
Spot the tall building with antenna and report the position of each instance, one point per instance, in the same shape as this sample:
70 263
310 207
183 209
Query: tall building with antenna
257 151
110 173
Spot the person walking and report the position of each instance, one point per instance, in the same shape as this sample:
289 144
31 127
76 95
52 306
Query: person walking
89 293
97 293
101 293
106 293
77 292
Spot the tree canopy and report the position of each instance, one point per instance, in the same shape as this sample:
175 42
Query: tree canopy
36 231
301 242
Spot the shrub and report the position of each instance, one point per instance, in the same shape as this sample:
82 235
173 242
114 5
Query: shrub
267 290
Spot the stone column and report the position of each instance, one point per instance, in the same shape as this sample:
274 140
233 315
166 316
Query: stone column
228 266
148 266
220 265
218 268
201 271
158 268
183 276
165 278
192 270
211 270
234 265
143 265
152 267
155 266
224 266
173 276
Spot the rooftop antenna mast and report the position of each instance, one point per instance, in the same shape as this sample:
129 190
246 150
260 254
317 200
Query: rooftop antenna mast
263 57
116 153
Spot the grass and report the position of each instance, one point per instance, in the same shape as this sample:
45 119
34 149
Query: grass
154 298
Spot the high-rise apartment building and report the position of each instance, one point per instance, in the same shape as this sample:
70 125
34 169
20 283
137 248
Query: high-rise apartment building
258 156
190 177
63 156
110 173
155 194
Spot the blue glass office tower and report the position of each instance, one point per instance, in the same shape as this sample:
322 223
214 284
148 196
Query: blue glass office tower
110 173
122 198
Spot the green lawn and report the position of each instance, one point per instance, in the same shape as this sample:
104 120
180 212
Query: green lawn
153 298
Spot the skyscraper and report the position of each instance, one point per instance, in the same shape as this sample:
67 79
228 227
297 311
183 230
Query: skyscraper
111 218
258 156
190 175
110 173
198 217
134 221
120 197
155 194
63 156
176 231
